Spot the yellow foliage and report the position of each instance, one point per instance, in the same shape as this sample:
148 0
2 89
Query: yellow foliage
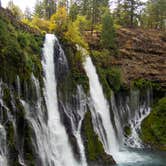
40 24
73 33
59 20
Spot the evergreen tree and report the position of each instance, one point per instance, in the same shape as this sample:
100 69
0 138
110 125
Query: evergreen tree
74 11
27 14
108 31
155 14
127 13
45 8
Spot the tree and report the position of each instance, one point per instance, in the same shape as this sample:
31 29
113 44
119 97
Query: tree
39 9
154 15
74 11
127 12
15 10
108 31
75 31
27 14
49 7
93 10
45 8
59 21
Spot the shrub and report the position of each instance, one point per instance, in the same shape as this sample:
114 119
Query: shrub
23 39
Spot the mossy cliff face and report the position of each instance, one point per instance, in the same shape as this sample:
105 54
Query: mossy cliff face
19 51
154 126
18 131
93 147
20 56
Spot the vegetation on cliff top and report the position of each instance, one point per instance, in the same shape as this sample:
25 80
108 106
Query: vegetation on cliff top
19 52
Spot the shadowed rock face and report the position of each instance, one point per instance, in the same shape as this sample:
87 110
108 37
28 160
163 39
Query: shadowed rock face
142 54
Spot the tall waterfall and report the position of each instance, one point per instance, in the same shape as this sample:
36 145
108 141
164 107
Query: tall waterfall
102 121
100 113
61 152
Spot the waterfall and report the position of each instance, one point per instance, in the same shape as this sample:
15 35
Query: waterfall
3 147
102 123
76 116
100 113
36 119
3 150
61 153
129 110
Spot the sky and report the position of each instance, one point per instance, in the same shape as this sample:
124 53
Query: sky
26 3
21 3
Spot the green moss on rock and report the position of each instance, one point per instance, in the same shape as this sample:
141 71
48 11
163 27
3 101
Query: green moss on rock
127 130
154 126
19 52
94 148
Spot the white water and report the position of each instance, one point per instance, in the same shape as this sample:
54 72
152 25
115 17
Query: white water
81 110
61 152
102 121
76 117
3 149
100 114
37 122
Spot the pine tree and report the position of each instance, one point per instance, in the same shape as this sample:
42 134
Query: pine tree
155 14
108 31
126 13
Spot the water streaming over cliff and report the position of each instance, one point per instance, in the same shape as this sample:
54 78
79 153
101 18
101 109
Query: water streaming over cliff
100 111
112 137
61 152
49 125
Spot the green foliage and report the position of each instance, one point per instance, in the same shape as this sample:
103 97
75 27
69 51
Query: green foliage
23 39
108 31
142 84
127 131
74 11
15 47
110 77
44 8
94 148
76 75
74 32
154 126
59 21
127 12
93 9
154 14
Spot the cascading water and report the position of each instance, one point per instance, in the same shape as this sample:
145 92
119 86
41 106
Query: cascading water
36 119
3 150
102 121
76 116
100 113
61 152
129 111
3 145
